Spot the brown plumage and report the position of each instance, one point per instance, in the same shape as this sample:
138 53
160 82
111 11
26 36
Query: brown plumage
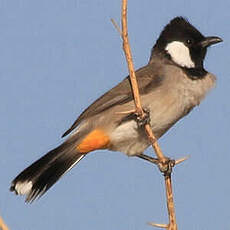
171 85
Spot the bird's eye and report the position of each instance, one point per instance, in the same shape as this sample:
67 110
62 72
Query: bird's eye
189 41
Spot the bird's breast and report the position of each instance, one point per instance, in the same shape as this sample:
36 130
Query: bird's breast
167 104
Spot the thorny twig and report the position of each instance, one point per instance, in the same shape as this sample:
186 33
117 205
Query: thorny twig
165 164
3 226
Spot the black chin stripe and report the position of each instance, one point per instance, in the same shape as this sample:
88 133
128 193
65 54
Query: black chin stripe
195 73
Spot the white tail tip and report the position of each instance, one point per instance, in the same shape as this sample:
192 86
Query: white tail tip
23 188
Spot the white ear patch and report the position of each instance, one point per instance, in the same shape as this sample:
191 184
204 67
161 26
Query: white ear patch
180 54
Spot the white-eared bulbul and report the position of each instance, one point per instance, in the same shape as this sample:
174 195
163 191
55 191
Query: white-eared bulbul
171 84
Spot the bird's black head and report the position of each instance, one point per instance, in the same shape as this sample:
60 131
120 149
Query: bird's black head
182 43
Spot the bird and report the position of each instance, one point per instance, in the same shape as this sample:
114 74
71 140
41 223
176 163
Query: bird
171 84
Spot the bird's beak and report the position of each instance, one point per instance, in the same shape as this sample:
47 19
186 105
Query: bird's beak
208 41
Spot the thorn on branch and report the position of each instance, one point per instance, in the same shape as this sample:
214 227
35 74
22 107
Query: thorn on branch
116 26
166 167
158 225
182 160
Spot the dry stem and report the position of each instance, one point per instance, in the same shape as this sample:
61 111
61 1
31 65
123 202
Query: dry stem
3 226
139 110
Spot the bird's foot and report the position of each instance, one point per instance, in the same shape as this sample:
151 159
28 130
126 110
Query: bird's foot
143 120
167 166
164 167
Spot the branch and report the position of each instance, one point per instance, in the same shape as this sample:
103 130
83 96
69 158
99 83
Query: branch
136 94
163 162
3 226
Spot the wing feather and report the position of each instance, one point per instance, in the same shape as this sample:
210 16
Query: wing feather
120 94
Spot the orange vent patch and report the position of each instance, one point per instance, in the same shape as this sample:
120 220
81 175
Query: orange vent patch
97 139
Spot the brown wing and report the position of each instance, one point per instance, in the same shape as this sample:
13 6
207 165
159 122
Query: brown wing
120 94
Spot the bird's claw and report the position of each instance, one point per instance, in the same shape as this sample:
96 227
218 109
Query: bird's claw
143 120
167 166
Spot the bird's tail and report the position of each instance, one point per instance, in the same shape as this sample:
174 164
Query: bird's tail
35 180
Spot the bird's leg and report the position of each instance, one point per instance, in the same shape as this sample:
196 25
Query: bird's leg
165 168
166 165
142 121
148 158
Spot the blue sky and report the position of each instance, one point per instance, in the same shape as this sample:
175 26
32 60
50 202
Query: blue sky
56 58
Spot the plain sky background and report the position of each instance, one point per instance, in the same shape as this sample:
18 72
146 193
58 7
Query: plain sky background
57 57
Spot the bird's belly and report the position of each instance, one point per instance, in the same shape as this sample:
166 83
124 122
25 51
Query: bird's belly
129 139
